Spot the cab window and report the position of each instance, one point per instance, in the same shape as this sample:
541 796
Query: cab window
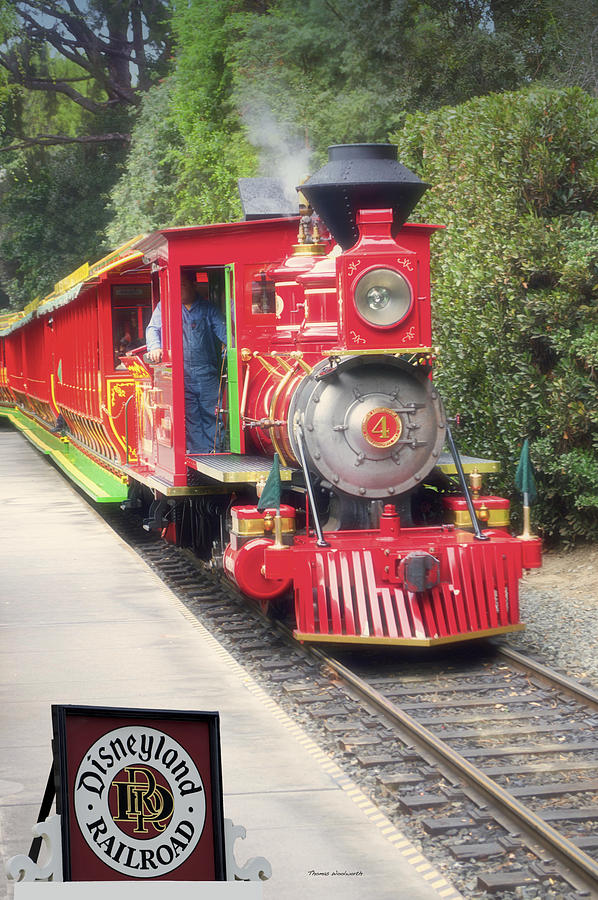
131 312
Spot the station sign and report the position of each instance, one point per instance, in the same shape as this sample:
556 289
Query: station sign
139 793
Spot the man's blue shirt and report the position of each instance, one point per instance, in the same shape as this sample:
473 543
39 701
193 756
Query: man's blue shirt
204 330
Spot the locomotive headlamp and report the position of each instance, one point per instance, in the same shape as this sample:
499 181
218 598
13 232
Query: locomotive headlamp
378 297
383 297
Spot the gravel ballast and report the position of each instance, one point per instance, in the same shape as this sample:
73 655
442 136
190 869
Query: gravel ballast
559 605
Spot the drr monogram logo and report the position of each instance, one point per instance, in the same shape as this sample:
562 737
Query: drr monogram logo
139 801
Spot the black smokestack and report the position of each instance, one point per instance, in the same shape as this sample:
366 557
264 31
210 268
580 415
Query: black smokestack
361 176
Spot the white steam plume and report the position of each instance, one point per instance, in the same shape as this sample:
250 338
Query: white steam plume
282 152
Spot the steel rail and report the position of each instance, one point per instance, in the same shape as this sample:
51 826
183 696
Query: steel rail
579 691
564 850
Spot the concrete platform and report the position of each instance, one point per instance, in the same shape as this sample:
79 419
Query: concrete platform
85 621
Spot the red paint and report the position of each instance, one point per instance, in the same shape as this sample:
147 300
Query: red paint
477 590
244 567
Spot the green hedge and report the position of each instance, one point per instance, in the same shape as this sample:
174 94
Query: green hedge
514 177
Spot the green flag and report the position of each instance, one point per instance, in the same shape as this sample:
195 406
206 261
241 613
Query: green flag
524 476
270 498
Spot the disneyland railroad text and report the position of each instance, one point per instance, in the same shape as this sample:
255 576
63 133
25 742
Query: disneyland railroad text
139 801
142 747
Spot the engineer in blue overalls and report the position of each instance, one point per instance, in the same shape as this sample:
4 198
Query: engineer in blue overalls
204 332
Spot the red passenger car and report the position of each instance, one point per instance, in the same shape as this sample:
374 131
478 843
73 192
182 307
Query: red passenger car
377 538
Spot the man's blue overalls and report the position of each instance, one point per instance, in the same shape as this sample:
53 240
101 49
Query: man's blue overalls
204 331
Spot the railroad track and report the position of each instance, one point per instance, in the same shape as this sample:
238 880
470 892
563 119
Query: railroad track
518 739
486 758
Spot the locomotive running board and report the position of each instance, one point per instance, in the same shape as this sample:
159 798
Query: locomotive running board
233 468
446 464
348 594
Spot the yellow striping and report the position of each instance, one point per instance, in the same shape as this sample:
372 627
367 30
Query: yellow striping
109 411
256 526
29 435
53 391
406 642
395 351
71 280
100 265
484 467
78 476
398 839
95 273
497 518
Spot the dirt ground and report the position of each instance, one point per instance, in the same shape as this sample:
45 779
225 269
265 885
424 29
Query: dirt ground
575 572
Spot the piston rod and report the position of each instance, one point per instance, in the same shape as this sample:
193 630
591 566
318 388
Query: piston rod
457 460
310 491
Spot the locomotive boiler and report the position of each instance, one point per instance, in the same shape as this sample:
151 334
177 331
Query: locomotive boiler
375 534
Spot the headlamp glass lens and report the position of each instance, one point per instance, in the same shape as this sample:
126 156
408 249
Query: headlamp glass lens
378 297
383 297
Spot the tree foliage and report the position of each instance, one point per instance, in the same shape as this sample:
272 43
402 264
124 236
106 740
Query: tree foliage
105 41
189 146
214 150
50 219
515 179
71 77
145 197
351 71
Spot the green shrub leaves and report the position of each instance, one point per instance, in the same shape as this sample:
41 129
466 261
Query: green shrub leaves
515 179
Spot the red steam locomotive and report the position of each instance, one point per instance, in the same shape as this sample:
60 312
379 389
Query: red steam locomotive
378 538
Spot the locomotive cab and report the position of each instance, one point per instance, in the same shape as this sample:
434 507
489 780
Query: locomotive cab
230 260
164 438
